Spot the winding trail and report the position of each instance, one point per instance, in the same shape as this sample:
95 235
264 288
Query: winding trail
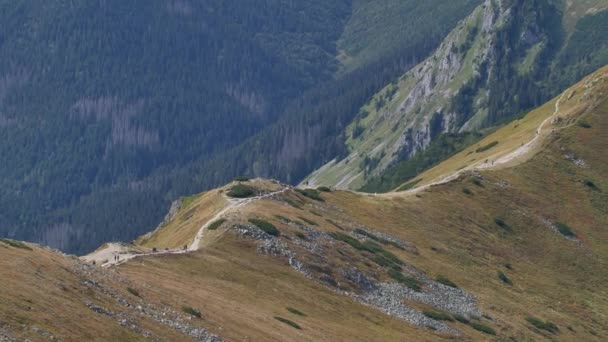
483 165
126 253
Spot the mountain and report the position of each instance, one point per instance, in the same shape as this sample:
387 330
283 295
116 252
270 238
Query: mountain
512 248
110 111
504 59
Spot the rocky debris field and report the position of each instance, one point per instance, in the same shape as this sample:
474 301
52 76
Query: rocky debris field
96 279
308 252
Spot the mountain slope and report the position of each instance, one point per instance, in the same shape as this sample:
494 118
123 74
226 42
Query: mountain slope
491 254
108 113
504 59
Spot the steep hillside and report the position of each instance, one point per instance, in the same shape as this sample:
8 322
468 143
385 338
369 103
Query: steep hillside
517 251
109 112
504 59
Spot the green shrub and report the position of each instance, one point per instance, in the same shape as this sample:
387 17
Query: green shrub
186 201
565 230
16 244
241 191
584 124
296 311
324 189
591 184
504 278
133 291
284 219
241 179
335 224
501 223
547 326
301 236
216 224
478 182
486 147
467 191
288 322
407 281
376 238
438 315
265 226
445 281
191 311
311 193
381 257
461 319
483 328
293 203
310 222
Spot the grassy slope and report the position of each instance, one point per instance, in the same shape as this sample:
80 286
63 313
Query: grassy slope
454 234
41 293
189 219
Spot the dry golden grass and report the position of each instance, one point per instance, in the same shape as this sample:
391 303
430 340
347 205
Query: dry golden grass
40 291
241 291
181 230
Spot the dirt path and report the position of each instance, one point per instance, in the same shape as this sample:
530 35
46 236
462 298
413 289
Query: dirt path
483 165
118 253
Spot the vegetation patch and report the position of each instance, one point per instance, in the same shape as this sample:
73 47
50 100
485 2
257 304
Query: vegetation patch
438 315
486 147
335 224
186 201
311 193
310 222
16 244
133 292
461 319
381 256
302 236
191 311
216 224
542 325
296 311
565 230
483 328
477 182
590 184
324 189
501 223
288 322
293 203
584 124
377 238
407 281
241 179
445 281
265 226
467 191
241 191
440 148
503 277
